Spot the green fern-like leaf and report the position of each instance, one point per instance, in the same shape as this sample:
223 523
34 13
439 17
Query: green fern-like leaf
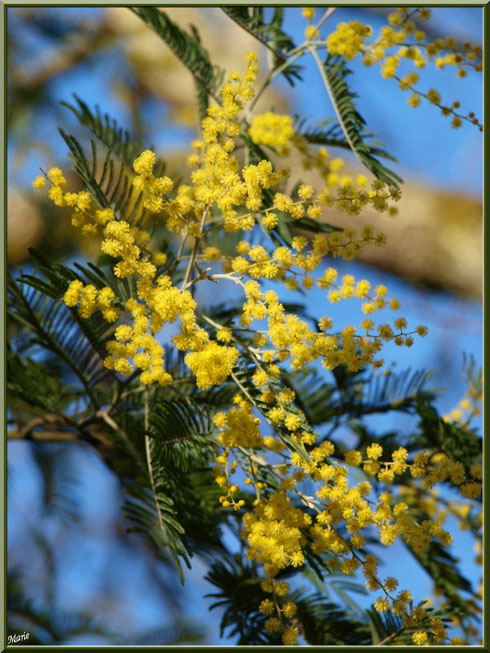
182 434
270 34
313 396
54 282
51 325
329 133
350 120
389 630
399 392
458 441
238 594
323 401
171 503
31 384
108 182
189 50
154 515
106 129
326 623
384 627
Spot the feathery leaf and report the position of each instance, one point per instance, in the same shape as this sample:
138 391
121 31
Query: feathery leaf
107 130
270 34
189 50
351 122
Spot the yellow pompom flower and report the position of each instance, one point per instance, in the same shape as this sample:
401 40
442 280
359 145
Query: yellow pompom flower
212 365
374 451
290 636
144 164
39 182
272 129
348 39
382 605
353 458
420 638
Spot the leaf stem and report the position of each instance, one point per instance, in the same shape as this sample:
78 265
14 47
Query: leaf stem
294 55
148 460
195 248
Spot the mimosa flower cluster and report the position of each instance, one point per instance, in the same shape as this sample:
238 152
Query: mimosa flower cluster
282 525
402 41
285 523
220 194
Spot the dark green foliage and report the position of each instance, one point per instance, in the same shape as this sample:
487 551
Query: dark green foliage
154 515
313 395
330 133
458 441
182 447
352 395
388 629
175 501
352 123
148 503
362 394
51 325
31 385
239 594
383 626
108 183
106 129
395 391
56 278
328 624
183 432
187 47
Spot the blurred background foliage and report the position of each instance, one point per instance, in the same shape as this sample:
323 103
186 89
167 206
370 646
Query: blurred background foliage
86 581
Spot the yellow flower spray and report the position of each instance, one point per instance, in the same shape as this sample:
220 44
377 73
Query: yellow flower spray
282 525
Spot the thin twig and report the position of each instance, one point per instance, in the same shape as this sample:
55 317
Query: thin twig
115 427
326 15
294 55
